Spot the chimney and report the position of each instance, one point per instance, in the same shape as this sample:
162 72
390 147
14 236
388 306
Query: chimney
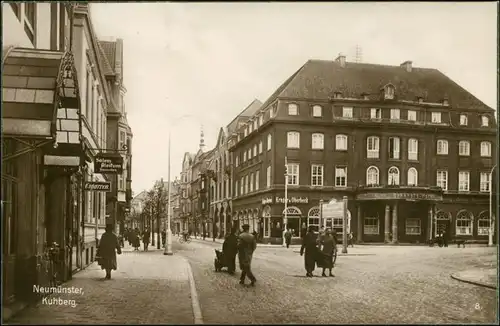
407 65
341 59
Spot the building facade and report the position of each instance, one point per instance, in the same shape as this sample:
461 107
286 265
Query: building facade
185 210
410 149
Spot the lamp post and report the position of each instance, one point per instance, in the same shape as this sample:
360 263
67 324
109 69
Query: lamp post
168 246
285 219
490 231
320 213
344 229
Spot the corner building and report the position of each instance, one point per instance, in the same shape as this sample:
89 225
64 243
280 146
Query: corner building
412 150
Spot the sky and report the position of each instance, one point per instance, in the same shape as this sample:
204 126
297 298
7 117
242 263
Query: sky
188 65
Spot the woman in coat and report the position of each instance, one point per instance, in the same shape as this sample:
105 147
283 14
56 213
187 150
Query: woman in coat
108 247
329 246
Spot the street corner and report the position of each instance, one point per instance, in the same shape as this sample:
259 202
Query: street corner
485 277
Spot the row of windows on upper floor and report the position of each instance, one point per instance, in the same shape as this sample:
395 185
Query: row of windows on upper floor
395 114
251 182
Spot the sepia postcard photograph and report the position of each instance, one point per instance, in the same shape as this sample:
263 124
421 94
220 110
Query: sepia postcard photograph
249 163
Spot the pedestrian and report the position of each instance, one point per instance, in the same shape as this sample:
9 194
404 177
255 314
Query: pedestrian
329 246
246 246
145 239
229 251
136 239
350 239
164 237
108 247
445 238
309 247
288 238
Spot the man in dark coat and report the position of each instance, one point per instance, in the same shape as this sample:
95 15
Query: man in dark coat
163 237
145 239
246 246
288 238
229 251
108 247
309 245
445 238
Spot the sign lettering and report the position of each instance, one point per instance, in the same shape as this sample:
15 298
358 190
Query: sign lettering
98 186
400 195
266 201
110 164
292 200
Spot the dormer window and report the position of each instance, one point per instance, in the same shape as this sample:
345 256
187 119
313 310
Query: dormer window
485 122
389 91
463 119
245 131
436 117
364 96
445 102
337 94
420 99
293 109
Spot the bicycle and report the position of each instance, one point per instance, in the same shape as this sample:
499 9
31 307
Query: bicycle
183 239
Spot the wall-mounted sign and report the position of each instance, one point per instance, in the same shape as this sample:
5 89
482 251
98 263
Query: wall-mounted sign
333 209
400 195
292 200
109 164
97 186
266 201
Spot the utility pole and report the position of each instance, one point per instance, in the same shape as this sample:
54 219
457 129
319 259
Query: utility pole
160 197
168 245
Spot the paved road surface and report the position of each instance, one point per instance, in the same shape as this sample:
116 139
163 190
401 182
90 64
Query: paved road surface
392 285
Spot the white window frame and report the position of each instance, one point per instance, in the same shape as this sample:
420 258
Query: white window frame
293 174
463 181
246 184
293 139
317 173
485 121
395 114
269 141
393 178
250 154
375 113
293 109
341 142
389 92
413 229
464 230
370 229
340 176
255 150
412 115
413 149
482 217
260 147
261 120
376 181
442 147
244 156
245 131
317 111
375 150
317 141
464 148
435 117
251 182
255 124
257 181
463 119
412 177
347 112
442 179
484 181
242 186
268 177
396 151
237 161
485 149
250 127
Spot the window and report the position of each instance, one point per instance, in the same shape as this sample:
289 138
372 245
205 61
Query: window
463 181
255 124
250 153
341 142
413 149
246 184
260 147
237 161
269 140
372 176
442 147
412 115
293 174
393 176
242 186
485 121
394 148
255 150
261 119
341 176
484 182
121 185
389 92
122 140
371 225
88 104
464 148
485 149
250 127
30 20
347 112
293 139
251 182
413 226
395 114
268 177
464 223
244 156
293 109
257 179
412 177
316 175
442 179
483 223
463 119
375 113
245 132
372 147
317 111
317 141
336 224
436 117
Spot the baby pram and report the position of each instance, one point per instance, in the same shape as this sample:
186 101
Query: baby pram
219 261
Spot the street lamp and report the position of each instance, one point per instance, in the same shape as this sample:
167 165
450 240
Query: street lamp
490 232
168 246
285 219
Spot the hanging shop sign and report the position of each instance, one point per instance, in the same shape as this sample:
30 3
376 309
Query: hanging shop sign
97 186
109 164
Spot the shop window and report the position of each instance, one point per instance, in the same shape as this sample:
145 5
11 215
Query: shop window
413 226
313 218
464 223
483 223
371 226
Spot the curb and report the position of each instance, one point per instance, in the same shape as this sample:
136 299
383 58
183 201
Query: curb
344 255
195 303
489 286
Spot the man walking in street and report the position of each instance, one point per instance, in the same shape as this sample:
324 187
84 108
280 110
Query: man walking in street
163 237
246 246
288 238
309 245
145 239
229 251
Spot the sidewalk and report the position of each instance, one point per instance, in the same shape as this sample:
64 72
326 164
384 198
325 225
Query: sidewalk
221 241
486 277
147 288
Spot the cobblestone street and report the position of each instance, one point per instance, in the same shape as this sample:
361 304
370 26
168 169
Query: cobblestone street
147 288
373 285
